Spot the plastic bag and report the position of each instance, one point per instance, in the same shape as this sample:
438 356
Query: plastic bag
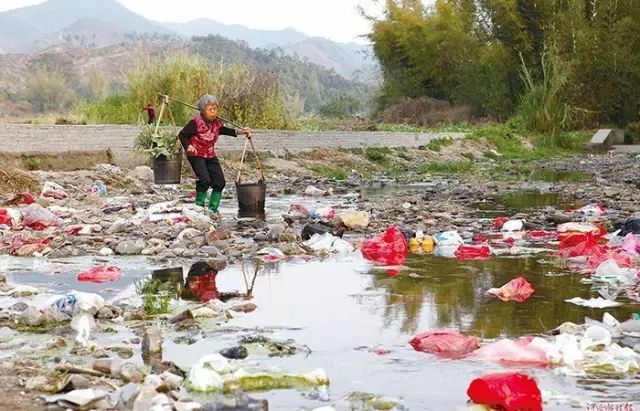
448 344
509 391
270 254
53 190
592 210
631 244
311 229
355 219
388 248
513 225
499 222
324 213
518 290
5 218
328 243
298 212
601 255
316 192
448 238
509 351
631 226
610 271
39 218
19 199
83 307
23 246
101 274
469 252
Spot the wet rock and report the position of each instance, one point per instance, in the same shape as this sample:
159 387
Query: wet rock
217 235
185 339
211 250
242 402
152 343
559 218
142 173
106 252
244 307
109 312
123 352
260 237
235 353
167 366
129 372
3 278
31 317
19 307
183 316
130 247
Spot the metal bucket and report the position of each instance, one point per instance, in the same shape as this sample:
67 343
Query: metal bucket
167 170
251 198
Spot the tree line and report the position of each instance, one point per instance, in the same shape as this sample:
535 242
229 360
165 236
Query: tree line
546 64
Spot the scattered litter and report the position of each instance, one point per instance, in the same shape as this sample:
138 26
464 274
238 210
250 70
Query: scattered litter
593 302
53 191
101 274
448 344
388 248
509 391
518 290
355 219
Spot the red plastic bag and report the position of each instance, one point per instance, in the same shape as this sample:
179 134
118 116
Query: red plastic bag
448 344
388 248
5 218
506 391
518 352
24 246
469 252
101 274
480 239
39 218
499 222
540 234
518 290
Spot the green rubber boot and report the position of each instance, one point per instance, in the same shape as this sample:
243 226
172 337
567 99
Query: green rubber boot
214 201
200 197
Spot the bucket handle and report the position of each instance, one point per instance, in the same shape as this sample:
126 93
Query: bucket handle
248 140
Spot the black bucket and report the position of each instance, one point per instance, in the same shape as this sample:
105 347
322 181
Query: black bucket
167 170
251 198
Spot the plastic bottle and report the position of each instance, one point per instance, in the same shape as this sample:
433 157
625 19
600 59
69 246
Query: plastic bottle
414 245
428 244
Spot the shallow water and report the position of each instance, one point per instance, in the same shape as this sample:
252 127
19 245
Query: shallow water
341 307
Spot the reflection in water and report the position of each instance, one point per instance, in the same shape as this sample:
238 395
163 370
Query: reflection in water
200 285
453 293
526 200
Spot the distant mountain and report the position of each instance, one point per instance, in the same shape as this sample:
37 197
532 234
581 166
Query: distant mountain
28 28
254 38
100 23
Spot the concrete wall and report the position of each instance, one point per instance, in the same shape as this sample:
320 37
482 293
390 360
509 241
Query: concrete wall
29 141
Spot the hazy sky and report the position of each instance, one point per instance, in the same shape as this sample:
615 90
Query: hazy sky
338 20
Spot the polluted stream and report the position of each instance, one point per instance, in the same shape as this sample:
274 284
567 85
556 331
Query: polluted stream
349 318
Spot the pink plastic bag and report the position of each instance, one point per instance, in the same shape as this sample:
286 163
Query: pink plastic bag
448 344
518 290
621 258
101 274
506 391
632 244
388 248
509 351
471 252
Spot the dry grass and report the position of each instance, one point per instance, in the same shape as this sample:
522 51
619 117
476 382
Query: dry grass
13 181
426 112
